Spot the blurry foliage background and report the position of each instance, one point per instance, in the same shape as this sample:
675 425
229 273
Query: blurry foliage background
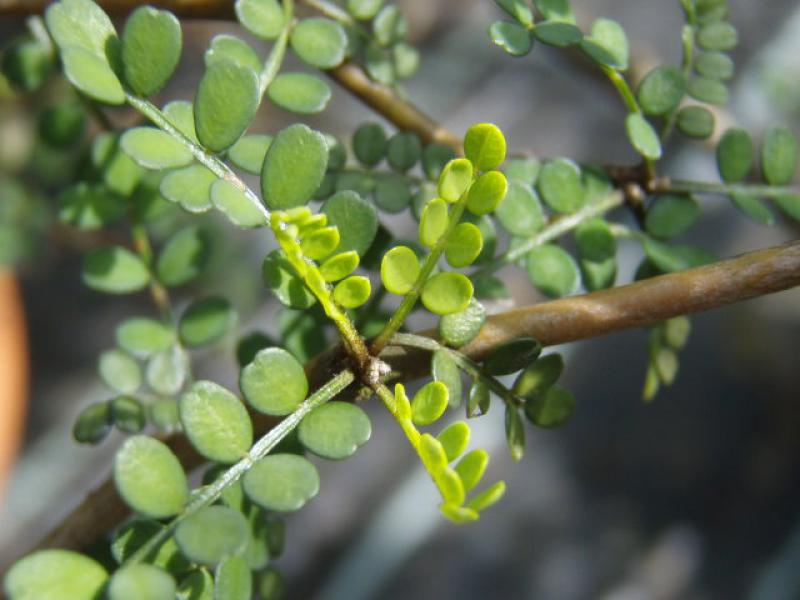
693 497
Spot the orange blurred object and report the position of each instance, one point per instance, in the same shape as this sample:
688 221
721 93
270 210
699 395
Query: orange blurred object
13 373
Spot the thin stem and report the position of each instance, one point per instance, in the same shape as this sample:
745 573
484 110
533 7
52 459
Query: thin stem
699 187
213 163
259 450
556 230
625 92
278 52
410 299
141 243
469 366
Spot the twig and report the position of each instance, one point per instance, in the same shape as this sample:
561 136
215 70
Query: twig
569 319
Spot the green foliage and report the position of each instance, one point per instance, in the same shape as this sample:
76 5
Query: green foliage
149 177
335 430
55 575
149 478
216 422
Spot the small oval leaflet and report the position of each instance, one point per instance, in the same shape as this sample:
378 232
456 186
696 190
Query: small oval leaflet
515 433
463 246
551 408
429 403
93 423
472 467
642 136
234 204
166 370
455 179
216 422
190 187
403 151
263 18
369 144
198 585
151 49
595 240
485 146
92 75
445 370
282 279
479 399
300 93
184 256
487 193
233 579
560 185
114 270
607 44
139 581
433 222
734 155
119 371
779 156
661 90
274 383
559 34
512 356
143 336
229 48
355 218
293 168
539 377
150 478
552 270
281 482
154 149
320 42
226 102
352 292
205 321
55 575
399 270
458 329
521 212
454 439
515 39
488 497
335 430
447 293
249 151
696 122
128 414
708 90
671 215
212 534
339 266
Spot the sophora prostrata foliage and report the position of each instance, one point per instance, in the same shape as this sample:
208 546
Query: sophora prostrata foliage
336 268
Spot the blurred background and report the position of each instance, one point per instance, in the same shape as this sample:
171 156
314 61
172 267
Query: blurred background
695 496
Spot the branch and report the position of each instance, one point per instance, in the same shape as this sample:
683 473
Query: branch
556 322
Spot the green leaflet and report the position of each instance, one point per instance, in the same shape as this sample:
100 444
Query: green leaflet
226 102
151 49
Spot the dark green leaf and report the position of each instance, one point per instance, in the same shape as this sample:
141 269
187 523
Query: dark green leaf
661 91
734 155
403 151
515 433
150 478
671 215
151 49
114 270
212 534
779 156
93 423
696 122
515 39
206 321
512 356
335 430
708 90
445 370
539 377
128 414
293 168
557 33
369 144
226 102
355 218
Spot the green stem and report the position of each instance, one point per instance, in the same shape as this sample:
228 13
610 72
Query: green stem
467 365
553 231
213 163
260 449
278 52
625 92
159 294
410 299
699 187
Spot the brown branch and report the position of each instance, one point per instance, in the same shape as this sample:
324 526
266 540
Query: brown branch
557 322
